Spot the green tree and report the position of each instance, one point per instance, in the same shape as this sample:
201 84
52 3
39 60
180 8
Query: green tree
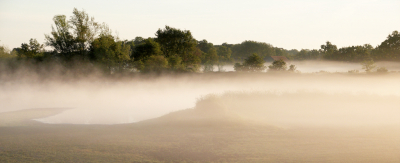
61 39
381 70
209 52
175 41
155 63
292 68
238 67
32 50
224 53
328 50
278 65
74 37
253 63
209 55
108 51
306 54
178 42
5 52
368 65
247 48
390 48
146 49
85 30
138 40
175 63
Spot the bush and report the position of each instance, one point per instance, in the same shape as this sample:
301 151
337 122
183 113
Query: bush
278 65
292 68
353 71
382 70
253 63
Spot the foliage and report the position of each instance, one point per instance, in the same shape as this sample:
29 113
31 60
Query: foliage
224 53
75 36
5 53
368 65
238 67
109 52
389 49
382 70
278 65
181 43
253 63
353 71
139 65
209 55
175 63
144 50
155 63
306 54
208 67
328 50
61 39
292 68
283 52
32 50
246 48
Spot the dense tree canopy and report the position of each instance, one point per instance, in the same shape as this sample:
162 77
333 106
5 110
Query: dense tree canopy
224 53
145 49
209 54
110 52
247 48
178 42
389 49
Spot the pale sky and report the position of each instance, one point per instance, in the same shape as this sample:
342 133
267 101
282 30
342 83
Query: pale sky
290 24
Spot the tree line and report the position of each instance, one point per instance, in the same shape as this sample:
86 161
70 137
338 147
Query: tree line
82 40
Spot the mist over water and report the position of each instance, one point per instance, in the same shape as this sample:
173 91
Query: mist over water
311 66
104 101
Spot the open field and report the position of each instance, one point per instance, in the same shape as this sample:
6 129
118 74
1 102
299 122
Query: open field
238 117
207 133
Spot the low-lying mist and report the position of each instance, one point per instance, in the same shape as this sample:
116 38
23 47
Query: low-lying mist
358 99
304 108
312 66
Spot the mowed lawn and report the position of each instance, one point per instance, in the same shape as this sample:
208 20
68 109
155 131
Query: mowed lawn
216 141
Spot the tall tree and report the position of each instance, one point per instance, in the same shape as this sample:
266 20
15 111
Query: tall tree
209 52
74 36
61 39
85 29
329 50
224 53
178 42
390 48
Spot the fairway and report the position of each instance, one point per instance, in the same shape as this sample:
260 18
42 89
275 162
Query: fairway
167 139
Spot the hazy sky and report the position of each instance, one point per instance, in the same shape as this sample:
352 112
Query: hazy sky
290 24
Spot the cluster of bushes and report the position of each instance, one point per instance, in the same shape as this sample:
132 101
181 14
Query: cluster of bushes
255 63
388 50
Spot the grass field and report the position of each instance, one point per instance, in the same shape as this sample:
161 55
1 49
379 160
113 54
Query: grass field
197 139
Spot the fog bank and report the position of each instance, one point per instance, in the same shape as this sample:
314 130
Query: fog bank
105 101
